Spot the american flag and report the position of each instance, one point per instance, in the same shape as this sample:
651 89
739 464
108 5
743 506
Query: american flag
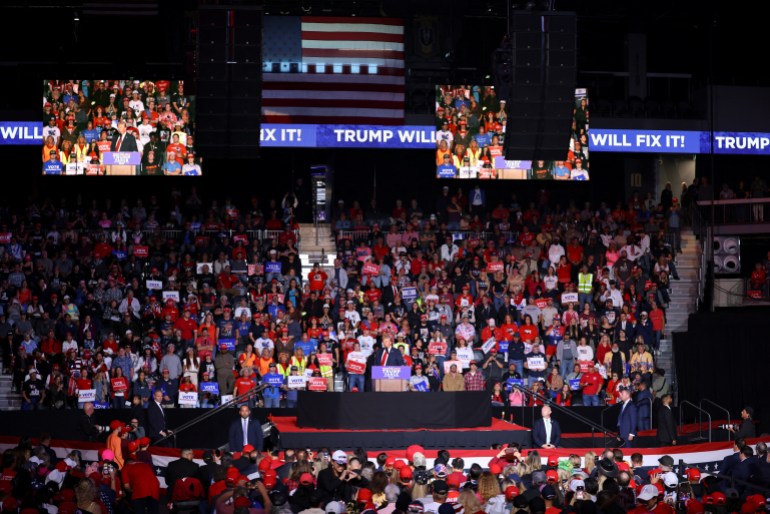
333 70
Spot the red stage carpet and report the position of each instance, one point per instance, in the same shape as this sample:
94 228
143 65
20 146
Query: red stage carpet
500 431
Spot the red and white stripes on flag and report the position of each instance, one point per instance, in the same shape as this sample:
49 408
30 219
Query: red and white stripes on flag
350 71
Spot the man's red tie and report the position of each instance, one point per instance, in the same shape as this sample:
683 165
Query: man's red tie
384 357
117 146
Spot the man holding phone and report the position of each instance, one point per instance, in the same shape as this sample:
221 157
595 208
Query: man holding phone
332 480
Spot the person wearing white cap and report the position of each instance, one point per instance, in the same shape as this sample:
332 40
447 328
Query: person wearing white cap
332 480
647 498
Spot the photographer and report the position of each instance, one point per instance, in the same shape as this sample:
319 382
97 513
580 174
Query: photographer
746 429
332 481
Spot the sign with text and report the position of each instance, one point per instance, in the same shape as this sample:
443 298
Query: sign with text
21 133
325 359
536 363
491 343
141 251
210 387
295 381
371 269
356 363
87 395
391 372
122 158
188 398
437 348
574 384
273 380
229 343
119 384
347 136
465 355
156 285
494 267
174 295
316 384
569 298
273 267
409 294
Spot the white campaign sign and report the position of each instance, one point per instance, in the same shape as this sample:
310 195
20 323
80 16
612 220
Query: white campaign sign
189 398
295 382
87 395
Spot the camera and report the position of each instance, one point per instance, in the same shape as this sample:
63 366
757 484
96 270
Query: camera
728 426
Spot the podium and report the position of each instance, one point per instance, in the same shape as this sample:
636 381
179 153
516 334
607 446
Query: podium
121 163
391 379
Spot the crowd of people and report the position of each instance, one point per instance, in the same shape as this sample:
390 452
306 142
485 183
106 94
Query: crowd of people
248 481
98 305
470 134
83 120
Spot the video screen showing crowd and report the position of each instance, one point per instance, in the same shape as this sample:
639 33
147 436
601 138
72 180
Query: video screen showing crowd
118 127
470 133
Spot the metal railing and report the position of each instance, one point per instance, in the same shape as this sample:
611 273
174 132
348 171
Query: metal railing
209 413
706 400
738 211
685 403
574 415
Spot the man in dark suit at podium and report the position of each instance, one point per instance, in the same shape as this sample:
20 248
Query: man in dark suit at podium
388 356
123 141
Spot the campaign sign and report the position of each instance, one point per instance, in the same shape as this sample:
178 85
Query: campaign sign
122 158
200 265
226 399
449 364
513 382
229 342
465 355
409 294
273 267
503 347
421 387
574 384
174 295
391 372
86 395
325 359
21 133
316 384
295 381
154 284
536 363
141 251
370 269
541 303
494 267
189 398
5 237
486 347
210 387
119 255
569 298
586 366
356 366
437 348
119 384
101 405
274 380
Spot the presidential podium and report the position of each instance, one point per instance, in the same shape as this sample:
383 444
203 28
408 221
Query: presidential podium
122 163
391 379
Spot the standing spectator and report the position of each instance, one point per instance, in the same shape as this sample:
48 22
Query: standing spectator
666 435
627 418
140 482
474 381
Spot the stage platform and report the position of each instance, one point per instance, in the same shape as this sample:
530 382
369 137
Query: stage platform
293 436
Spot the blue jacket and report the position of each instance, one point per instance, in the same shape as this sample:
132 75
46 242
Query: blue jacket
627 421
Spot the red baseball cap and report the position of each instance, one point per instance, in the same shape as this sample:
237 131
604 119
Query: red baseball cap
405 473
269 478
511 492
364 495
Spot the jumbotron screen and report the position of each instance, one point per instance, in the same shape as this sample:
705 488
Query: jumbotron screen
470 132
118 128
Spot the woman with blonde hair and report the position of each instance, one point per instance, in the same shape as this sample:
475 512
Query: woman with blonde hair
85 492
589 460
470 502
488 487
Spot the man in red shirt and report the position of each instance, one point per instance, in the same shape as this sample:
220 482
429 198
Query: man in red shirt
591 383
244 384
140 482
187 326
317 278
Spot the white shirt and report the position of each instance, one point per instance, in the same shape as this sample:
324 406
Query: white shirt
245 429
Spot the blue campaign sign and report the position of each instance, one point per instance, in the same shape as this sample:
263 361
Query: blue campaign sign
101 405
272 267
752 143
574 384
210 387
409 294
53 168
229 342
502 347
513 382
119 255
273 379
421 386
21 133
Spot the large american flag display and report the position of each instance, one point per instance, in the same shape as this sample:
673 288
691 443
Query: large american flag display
327 70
